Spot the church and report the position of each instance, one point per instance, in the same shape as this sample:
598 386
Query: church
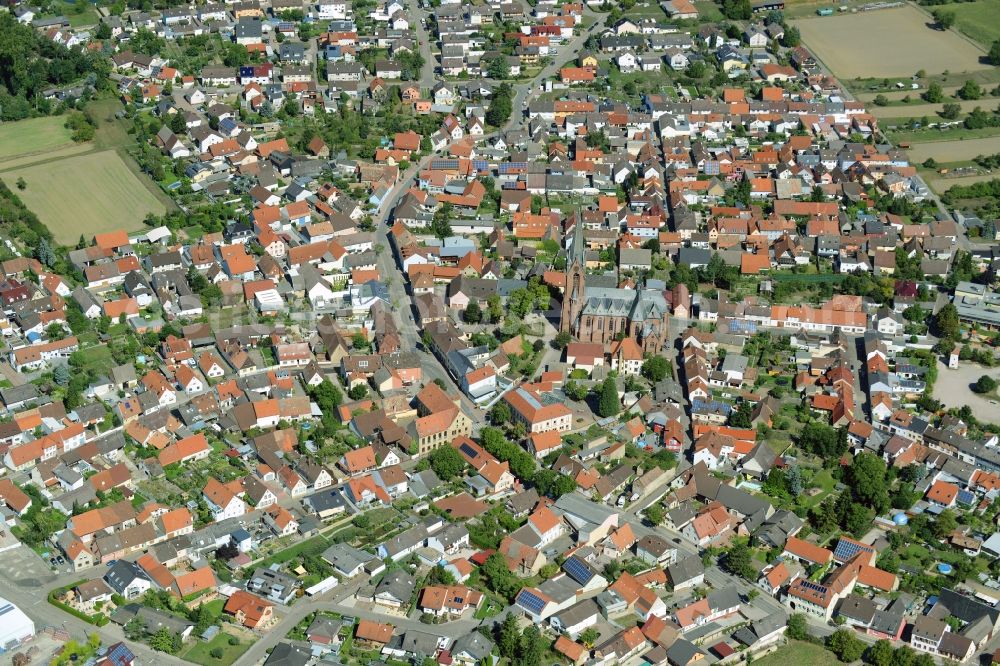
604 314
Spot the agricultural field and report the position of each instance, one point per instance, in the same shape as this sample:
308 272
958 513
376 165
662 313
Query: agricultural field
32 136
85 194
929 110
888 43
954 151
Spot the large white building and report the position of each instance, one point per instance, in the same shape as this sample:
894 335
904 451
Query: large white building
15 626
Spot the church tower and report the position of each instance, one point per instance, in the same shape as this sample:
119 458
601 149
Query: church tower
574 295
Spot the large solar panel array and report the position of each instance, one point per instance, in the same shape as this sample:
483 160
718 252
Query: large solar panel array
578 570
531 601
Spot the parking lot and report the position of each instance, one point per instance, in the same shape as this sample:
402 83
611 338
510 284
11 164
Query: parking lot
24 568
952 389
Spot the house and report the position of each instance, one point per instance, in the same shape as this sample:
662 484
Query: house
443 601
249 610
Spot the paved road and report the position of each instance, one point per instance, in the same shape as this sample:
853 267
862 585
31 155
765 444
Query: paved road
29 595
295 614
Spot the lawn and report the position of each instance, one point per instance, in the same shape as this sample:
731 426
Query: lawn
826 482
200 652
888 42
35 135
798 653
978 20
937 135
86 194
98 359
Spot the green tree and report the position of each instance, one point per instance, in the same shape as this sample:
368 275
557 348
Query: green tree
60 375
881 100
867 479
655 368
970 90
441 223
562 339
589 637
162 640
793 479
655 514
358 391
742 416
934 93
944 524
994 55
447 462
44 253
499 414
798 628
501 106
575 390
791 38
531 647
508 636
945 20
473 313
985 384
738 10
846 645
498 577
494 307
498 67
608 403
553 484
946 323
950 111
738 561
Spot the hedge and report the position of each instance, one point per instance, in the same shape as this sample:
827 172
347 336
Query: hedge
98 620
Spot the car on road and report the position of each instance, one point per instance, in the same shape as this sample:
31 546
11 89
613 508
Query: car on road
52 561
60 560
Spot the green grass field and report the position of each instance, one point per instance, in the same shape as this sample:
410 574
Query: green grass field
939 135
85 194
798 653
978 20
200 652
35 135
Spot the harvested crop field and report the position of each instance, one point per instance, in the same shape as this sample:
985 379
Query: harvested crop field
953 151
887 42
85 194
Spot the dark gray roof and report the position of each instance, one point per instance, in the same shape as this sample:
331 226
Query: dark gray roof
685 569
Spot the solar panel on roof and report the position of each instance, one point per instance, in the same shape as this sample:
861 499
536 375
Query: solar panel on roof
815 587
966 497
531 601
468 450
845 549
578 571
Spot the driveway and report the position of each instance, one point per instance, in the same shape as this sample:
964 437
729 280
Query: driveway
953 389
